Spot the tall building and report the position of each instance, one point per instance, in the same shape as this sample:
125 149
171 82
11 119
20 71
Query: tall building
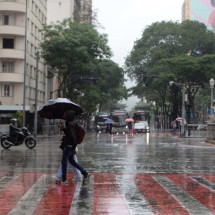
23 73
20 66
78 11
200 10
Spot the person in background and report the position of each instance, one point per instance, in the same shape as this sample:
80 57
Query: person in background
174 126
131 128
14 130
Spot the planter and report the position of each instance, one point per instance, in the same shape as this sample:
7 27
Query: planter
211 132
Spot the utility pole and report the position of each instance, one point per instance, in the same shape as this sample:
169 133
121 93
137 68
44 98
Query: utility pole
183 111
25 64
36 94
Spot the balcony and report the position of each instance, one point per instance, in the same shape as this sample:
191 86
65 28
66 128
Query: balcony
12 77
12 6
12 30
12 53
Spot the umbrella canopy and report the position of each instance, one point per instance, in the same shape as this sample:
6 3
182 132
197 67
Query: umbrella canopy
178 119
129 120
109 121
55 108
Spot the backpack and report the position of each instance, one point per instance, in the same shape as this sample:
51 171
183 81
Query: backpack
80 133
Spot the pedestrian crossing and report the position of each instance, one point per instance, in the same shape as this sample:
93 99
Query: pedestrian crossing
148 194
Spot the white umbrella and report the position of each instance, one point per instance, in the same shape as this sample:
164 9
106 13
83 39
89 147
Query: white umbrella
178 119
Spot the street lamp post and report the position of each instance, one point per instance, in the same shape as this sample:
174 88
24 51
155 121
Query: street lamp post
211 124
36 94
212 82
25 64
183 111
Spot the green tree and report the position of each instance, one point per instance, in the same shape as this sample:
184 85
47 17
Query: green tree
110 84
75 50
72 49
170 51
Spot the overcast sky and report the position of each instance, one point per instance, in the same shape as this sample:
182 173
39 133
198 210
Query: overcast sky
125 20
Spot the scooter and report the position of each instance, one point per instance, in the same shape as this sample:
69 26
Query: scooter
24 137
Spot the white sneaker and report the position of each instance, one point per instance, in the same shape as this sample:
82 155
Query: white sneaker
56 178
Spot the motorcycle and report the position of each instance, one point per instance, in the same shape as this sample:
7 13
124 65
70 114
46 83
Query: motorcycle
24 137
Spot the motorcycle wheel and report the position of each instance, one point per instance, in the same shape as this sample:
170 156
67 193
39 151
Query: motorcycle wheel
5 143
30 142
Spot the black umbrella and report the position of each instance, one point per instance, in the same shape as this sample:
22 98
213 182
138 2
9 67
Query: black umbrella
55 108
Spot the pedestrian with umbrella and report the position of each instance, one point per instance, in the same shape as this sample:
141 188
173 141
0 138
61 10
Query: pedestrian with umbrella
70 141
109 122
130 123
62 108
180 119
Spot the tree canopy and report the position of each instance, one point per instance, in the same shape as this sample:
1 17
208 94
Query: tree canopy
72 50
171 51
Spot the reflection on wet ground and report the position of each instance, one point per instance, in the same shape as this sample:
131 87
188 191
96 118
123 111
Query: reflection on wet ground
154 173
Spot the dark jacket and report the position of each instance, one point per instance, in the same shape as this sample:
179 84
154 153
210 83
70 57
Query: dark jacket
70 137
13 129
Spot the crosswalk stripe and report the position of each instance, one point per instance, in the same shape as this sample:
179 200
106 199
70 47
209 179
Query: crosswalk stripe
31 199
107 193
4 180
83 195
190 203
15 187
107 196
204 182
157 197
136 203
201 193
57 199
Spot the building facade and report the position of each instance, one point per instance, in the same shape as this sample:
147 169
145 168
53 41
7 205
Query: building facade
23 74
200 10
77 10
20 66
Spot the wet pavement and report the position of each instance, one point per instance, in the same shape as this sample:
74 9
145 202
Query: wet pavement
154 173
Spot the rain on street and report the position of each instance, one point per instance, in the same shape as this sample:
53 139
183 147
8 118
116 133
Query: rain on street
153 173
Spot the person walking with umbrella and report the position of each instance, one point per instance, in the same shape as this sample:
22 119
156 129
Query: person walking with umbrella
63 108
109 122
70 141
130 123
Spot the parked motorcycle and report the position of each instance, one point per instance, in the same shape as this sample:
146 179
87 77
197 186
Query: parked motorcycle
24 137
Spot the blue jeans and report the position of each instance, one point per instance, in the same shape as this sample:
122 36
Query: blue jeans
68 155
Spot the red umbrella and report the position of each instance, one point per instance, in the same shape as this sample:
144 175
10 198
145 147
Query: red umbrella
129 120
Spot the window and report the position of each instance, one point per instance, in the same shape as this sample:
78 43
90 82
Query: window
8 43
7 66
6 20
7 90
